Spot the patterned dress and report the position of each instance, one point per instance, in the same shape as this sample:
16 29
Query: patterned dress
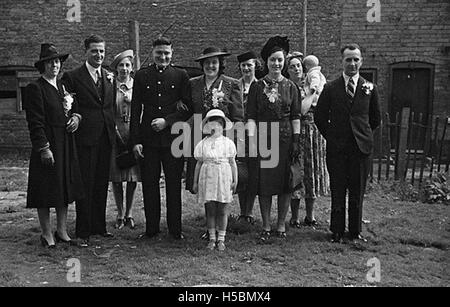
316 180
122 120
215 178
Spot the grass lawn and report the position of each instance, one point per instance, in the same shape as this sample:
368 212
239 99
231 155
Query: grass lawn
411 241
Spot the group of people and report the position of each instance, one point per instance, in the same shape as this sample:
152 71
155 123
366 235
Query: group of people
80 123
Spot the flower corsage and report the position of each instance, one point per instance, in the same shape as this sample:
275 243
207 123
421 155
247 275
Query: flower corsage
271 91
367 87
67 101
110 77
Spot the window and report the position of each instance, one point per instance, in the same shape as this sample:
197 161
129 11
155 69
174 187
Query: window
13 80
370 74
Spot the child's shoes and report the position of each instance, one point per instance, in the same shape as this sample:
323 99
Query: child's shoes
221 245
211 245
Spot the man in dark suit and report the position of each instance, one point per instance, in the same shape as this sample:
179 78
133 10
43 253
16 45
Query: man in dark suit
93 88
157 90
347 113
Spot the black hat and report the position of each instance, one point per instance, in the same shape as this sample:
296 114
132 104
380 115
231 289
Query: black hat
211 52
275 41
48 52
246 56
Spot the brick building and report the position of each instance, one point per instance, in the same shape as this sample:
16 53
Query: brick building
406 43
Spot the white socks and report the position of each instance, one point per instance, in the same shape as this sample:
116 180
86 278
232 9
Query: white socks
212 234
220 235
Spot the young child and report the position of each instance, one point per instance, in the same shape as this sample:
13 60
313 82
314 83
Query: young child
314 82
215 177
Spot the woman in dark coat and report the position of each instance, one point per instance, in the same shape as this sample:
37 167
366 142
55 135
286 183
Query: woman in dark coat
212 90
54 177
273 100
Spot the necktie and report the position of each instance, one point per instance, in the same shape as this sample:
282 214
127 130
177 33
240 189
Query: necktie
351 88
97 73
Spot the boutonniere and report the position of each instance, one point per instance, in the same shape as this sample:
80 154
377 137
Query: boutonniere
67 101
271 91
217 95
367 87
110 77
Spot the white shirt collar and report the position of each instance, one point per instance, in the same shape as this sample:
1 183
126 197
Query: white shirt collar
92 71
346 78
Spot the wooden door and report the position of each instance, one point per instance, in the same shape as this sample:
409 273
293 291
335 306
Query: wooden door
412 87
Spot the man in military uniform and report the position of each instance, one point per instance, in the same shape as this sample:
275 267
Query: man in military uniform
157 90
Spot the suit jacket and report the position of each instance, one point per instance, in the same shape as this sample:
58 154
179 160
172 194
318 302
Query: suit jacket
97 111
232 104
339 119
155 95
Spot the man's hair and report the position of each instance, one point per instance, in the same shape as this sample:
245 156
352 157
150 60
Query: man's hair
94 38
350 47
162 41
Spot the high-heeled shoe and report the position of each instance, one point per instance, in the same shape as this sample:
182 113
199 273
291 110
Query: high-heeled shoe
45 243
61 240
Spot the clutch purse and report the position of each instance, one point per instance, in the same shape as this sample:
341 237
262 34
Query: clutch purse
242 169
126 159
296 173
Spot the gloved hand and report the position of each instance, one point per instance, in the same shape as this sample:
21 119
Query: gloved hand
47 157
296 146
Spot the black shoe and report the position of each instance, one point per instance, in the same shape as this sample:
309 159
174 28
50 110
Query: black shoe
83 242
295 224
61 240
45 243
357 238
146 235
336 237
179 236
310 223
107 234
129 221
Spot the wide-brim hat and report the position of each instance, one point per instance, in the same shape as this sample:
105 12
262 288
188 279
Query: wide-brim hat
212 52
217 113
275 41
49 52
119 57
246 56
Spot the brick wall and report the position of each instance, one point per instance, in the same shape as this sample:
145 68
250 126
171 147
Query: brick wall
409 30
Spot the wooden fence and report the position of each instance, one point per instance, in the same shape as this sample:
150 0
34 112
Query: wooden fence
411 147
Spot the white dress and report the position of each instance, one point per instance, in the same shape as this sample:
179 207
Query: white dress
215 178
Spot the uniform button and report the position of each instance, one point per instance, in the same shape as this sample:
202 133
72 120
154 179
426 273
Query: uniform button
160 71
159 82
159 95
148 86
159 108
173 86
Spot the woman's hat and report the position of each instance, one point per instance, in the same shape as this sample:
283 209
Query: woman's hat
49 52
275 41
127 53
295 54
217 113
246 56
211 52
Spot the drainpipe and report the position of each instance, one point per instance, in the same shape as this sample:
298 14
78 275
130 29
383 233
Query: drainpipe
305 8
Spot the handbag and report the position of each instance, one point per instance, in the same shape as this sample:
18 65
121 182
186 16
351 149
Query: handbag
296 174
242 169
125 158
